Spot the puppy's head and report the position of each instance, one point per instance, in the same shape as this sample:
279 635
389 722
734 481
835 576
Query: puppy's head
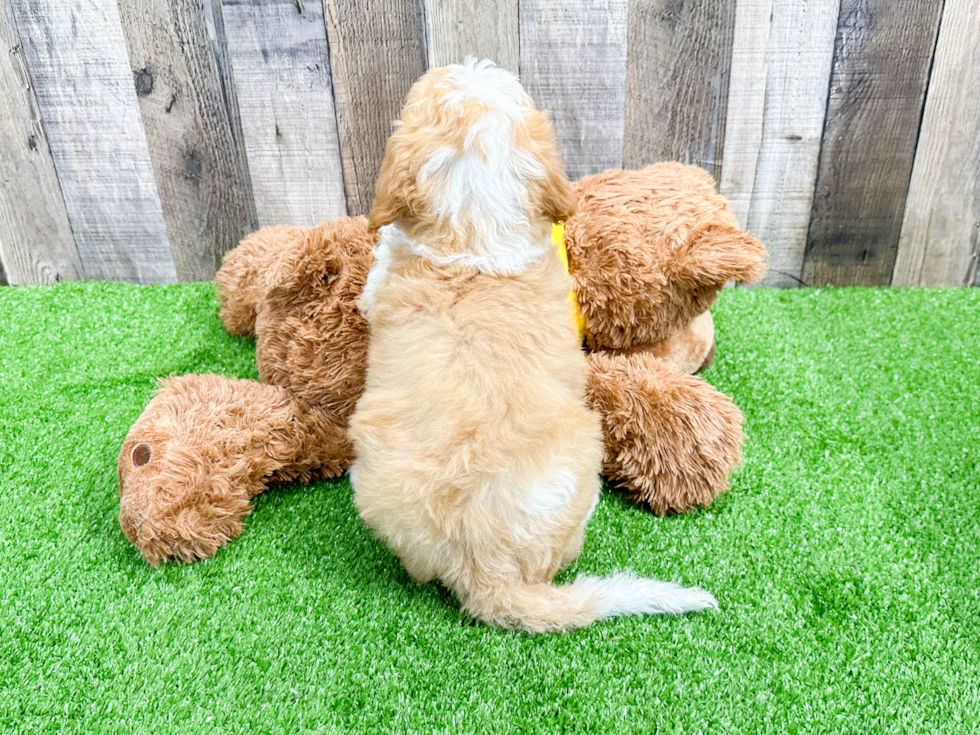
472 166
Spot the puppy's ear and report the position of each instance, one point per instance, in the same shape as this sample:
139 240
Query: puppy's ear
391 195
559 199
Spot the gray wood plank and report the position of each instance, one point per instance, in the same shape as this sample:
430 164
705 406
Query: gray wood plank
377 50
281 63
940 240
201 172
878 84
677 72
84 87
781 60
573 62
486 29
36 243
214 19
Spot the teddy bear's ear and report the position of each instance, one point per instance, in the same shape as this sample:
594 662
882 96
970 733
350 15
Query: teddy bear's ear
716 254
320 253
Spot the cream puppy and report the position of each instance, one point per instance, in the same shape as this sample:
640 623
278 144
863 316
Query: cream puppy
478 461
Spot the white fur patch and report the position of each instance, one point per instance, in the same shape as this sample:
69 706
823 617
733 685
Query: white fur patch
485 185
543 500
488 83
624 594
377 274
505 262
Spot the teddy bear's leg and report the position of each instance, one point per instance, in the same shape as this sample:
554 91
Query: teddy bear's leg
206 445
671 439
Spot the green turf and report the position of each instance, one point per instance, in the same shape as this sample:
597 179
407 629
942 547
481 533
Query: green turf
846 558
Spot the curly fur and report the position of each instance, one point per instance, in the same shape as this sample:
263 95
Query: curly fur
477 459
216 442
671 439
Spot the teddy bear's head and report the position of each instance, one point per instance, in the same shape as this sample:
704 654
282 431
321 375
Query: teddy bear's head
649 251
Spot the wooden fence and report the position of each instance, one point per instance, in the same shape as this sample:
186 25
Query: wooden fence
141 139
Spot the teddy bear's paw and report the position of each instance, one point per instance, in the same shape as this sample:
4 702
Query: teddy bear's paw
671 439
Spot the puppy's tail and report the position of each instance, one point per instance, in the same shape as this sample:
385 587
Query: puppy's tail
538 608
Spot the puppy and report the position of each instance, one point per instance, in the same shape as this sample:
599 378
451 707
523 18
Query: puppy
478 461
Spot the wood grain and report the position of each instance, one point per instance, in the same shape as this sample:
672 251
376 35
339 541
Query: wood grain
282 76
377 50
573 62
84 87
486 29
781 60
677 73
878 84
940 240
201 173
36 243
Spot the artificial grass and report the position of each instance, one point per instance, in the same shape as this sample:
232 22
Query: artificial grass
845 558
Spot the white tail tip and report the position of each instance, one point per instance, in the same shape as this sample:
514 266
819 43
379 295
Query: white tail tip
624 594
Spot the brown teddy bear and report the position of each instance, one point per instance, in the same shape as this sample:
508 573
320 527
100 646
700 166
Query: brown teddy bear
648 253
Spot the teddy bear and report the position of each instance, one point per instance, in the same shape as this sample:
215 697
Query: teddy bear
648 252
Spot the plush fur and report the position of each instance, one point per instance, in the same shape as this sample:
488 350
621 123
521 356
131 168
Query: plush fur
295 289
649 251
477 459
203 448
653 251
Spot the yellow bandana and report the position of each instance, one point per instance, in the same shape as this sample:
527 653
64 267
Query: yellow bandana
558 238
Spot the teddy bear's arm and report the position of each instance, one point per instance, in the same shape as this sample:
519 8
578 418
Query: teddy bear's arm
671 439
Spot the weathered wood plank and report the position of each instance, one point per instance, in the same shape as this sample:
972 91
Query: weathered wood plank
940 241
281 63
677 72
214 19
36 244
84 88
377 50
746 103
881 67
201 173
486 29
781 61
573 62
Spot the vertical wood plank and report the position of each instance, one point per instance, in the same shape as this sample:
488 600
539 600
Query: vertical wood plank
77 60
677 71
573 62
486 29
36 243
281 64
200 170
940 240
781 61
377 50
881 67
